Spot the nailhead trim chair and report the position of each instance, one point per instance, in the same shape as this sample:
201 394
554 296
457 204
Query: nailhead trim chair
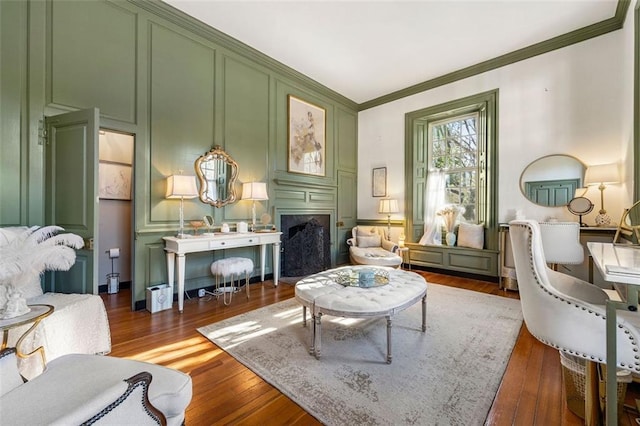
565 312
561 243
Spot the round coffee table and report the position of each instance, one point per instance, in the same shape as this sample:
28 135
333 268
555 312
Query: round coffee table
332 293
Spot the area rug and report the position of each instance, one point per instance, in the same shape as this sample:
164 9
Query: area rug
448 375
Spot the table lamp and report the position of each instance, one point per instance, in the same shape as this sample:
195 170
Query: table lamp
601 175
254 191
180 186
388 206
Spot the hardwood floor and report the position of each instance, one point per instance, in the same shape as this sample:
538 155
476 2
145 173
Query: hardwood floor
225 392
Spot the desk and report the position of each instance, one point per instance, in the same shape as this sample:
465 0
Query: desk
628 260
177 248
37 313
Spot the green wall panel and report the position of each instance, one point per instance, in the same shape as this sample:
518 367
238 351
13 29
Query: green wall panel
347 146
12 89
92 57
181 93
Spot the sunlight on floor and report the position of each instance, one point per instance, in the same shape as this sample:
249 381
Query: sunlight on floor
180 355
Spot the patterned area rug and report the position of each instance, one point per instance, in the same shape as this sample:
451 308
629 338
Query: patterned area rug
446 376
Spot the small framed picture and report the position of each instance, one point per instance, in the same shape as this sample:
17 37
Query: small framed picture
379 182
114 181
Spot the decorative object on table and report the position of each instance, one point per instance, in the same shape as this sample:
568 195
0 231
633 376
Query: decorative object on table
25 257
388 206
449 217
208 222
242 227
225 228
580 206
440 389
306 148
254 191
401 239
181 187
379 182
602 175
368 277
629 225
196 224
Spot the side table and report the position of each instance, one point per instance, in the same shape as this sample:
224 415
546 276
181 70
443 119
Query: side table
406 258
37 314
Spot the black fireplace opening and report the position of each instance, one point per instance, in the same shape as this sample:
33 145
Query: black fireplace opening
306 244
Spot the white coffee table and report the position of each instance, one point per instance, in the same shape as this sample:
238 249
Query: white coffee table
323 294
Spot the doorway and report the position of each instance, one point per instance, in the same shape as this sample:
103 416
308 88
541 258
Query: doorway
115 210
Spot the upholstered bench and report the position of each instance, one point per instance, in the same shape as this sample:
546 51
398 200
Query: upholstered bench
231 267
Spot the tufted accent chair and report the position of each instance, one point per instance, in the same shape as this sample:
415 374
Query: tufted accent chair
368 245
561 243
565 312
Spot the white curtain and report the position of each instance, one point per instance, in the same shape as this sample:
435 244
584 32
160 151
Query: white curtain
433 201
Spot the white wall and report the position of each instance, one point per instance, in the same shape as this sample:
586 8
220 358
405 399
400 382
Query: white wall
577 101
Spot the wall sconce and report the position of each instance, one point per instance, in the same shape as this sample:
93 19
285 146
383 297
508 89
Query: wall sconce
254 191
388 206
601 175
180 186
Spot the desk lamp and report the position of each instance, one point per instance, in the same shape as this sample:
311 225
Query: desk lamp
180 186
254 191
601 175
388 206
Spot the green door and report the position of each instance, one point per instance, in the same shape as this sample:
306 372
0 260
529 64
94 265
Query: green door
71 193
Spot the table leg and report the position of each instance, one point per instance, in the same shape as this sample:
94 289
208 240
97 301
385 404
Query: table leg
424 313
317 335
612 384
180 270
304 316
171 262
388 339
5 338
276 263
39 349
263 251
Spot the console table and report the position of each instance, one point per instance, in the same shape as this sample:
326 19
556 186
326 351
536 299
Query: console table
177 248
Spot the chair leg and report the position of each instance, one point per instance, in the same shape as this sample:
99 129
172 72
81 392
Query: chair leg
592 415
246 284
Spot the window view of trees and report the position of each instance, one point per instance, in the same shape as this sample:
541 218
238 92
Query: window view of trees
453 145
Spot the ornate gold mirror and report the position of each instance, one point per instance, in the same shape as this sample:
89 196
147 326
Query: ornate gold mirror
217 172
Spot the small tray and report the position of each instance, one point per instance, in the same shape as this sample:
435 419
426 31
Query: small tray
351 278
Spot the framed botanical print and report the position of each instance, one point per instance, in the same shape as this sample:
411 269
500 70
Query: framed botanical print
306 139
379 182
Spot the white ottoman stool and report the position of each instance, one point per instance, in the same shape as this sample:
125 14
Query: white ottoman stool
231 267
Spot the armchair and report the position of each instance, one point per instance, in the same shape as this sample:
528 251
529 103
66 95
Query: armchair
567 313
83 389
369 246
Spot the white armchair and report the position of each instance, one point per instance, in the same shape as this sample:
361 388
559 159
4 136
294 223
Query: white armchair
369 246
561 243
567 313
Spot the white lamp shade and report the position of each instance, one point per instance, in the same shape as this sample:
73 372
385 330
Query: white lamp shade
181 186
254 191
602 173
388 206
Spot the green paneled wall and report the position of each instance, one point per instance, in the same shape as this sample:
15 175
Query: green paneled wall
180 88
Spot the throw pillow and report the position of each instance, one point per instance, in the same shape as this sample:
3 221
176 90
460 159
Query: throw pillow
369 241
11 378
471 236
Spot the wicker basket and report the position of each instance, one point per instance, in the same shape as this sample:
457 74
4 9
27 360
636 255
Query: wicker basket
573 376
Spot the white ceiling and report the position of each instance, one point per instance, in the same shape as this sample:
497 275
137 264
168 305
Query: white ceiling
364 49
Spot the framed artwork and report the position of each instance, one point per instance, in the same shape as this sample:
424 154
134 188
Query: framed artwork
379 182
114 181
306 138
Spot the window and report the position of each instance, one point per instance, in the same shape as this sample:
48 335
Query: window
460 139
453 148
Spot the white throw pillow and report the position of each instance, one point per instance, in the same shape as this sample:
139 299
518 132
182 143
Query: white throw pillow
373 240
471 236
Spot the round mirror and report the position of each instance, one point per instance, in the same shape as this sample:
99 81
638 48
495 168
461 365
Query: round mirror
580 206
217 173
552 180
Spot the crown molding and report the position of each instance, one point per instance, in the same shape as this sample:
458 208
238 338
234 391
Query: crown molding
564 40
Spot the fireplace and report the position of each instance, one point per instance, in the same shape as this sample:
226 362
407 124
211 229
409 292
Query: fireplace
306 244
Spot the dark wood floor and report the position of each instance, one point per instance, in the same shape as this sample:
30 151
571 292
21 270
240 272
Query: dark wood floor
225 392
